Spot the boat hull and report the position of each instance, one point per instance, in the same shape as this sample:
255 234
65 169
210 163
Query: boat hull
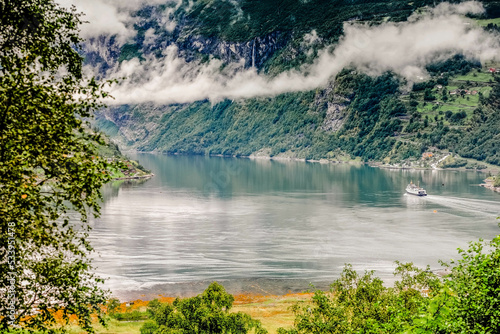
411 193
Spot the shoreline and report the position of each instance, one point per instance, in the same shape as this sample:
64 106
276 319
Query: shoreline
488 184
460 169
254 157
265 287
261 287
374 164
148 176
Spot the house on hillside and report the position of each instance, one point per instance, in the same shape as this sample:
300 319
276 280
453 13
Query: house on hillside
426 155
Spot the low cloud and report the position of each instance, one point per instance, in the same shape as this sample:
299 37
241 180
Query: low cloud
103 18
469 7
114 17
407 48
404 48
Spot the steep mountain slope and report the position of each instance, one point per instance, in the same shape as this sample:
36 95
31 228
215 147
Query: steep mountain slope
375 118
265 34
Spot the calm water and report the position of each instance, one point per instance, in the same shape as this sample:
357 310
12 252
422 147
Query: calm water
206 218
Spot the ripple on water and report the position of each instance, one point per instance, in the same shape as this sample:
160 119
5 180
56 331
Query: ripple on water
280 223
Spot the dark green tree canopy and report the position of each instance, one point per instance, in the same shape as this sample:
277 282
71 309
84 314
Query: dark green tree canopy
41 31
204 314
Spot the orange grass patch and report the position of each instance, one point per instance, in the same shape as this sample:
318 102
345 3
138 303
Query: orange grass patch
272 311
242 299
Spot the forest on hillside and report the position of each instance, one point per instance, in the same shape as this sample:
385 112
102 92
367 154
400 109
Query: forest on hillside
381 118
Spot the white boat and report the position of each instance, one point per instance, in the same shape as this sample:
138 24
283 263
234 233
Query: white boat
413 189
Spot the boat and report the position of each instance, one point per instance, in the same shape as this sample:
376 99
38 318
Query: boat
413 189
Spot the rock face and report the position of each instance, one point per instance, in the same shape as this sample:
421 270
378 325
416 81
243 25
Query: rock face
149 127
254 53
134 124
334 118
105 52
101 53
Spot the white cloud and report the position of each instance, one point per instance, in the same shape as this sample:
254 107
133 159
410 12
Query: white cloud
113 17
149 36
168 20
468 7
404 48
103 18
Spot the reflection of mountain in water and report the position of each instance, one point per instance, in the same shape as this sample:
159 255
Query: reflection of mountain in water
227 177
205 218
112 189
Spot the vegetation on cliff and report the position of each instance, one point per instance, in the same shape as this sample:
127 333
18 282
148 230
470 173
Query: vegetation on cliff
381 118
357 116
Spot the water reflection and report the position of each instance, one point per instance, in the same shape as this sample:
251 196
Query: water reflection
206 218
415 202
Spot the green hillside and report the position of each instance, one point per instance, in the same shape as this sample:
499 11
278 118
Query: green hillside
359 116
355 117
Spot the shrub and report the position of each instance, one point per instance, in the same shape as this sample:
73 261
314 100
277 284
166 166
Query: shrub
452 162
466 301
205 313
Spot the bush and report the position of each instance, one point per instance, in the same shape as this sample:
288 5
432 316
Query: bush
496 181
205 313
149 327
362 304
464 302
457 117
475 281
452 162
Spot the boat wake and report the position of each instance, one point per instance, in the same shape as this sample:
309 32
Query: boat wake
485 207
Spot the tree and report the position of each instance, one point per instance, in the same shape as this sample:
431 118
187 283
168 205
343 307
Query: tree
496 181
49 169
475 281
465 301
207 313
428 96
444 95
362 304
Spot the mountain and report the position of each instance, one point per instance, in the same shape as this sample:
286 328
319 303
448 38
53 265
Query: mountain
355 113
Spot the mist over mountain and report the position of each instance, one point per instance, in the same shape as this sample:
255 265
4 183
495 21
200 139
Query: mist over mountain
291 78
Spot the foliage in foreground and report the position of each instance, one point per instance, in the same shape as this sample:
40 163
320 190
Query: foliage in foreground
50 173
465 301
205 313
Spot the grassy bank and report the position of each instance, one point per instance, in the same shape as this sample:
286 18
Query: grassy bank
272 311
